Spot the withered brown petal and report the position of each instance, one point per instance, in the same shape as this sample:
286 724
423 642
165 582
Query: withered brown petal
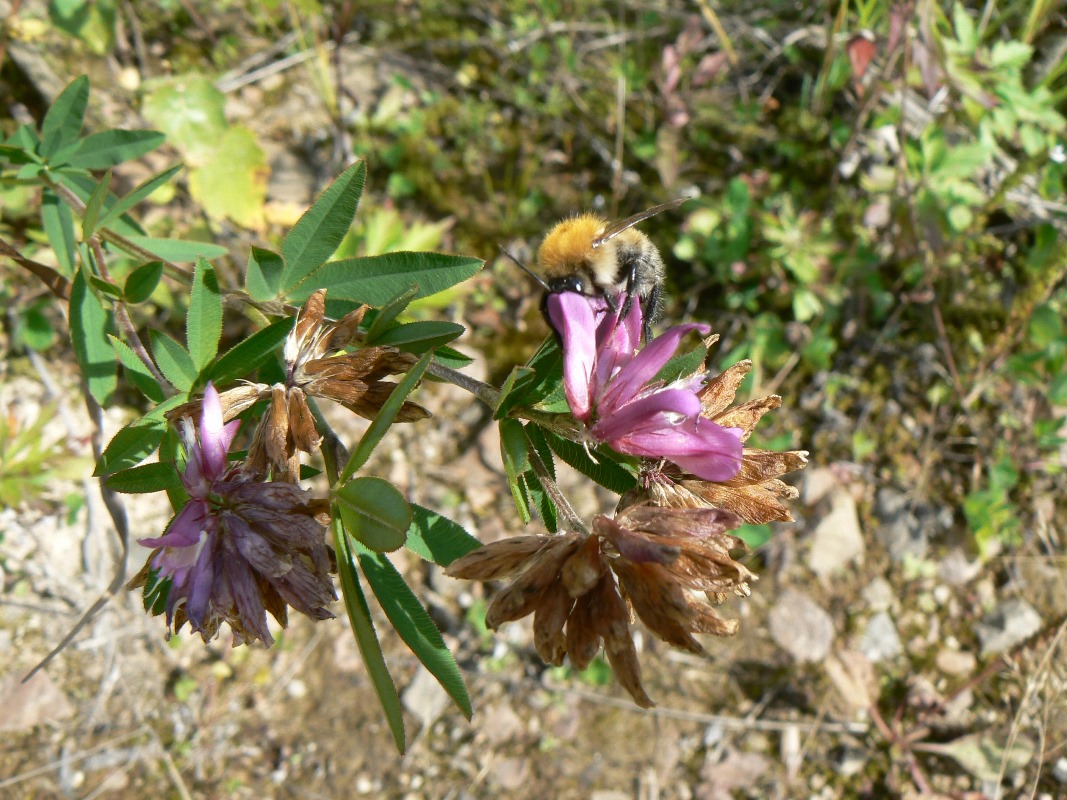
619 641
634 545
497 560
747 415
720 391
302 424
342 332
549 618
705 619
374 398
521 597
699 522
277 431
584 628
659 601
309 319
755 504
758 466
582 570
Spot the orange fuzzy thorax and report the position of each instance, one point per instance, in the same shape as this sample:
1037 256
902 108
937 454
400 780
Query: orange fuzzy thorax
569 244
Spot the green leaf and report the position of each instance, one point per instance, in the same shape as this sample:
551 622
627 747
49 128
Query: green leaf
516 462
92 21
58 223
547 380
378 279
190 111
84 185
389 312
245 357
418 337
203 326
173 360
318 233
366 637
263 279
64 120
231 181
110 148
683 365
142 282
144 479
17 155
437 538
375 513
385 417
136 371
605 471
89 324
105 287
518 376
139 193
449 357
178 250
94 204
413 624
138 440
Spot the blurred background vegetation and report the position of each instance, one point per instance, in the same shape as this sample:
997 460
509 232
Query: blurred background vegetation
880 185
880 193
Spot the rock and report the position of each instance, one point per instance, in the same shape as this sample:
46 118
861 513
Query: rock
801 627
1010 623
35 702
879 595
424 697
955 570
900 530
501 724
880 640
837 540
817 484
511 773
1059 770
956 662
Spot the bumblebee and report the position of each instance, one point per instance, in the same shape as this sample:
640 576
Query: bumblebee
591 256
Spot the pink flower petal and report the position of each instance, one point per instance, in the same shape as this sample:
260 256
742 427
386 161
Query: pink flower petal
214 437
572 316
643 367
649 413
185 529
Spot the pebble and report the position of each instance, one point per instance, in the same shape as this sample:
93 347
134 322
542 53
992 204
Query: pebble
880 640
801 627
1008 624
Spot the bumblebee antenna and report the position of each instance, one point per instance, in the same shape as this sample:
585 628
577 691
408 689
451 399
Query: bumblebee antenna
526 269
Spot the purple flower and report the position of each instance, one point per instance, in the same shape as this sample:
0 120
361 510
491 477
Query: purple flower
238 548
611 387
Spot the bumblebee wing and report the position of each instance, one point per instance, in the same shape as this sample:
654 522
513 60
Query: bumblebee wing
616 228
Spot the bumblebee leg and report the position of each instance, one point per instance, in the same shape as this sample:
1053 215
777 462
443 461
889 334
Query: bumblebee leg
613 307
631 288
653 308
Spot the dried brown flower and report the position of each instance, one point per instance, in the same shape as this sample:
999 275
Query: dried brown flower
317 365
583 590
756 492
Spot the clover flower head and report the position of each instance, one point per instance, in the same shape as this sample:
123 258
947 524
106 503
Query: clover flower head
611 386
239 547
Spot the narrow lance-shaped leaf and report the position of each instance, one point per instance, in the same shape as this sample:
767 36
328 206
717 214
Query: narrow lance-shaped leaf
94 204
366 637
385 418
263 278
142 282
58 223
177 250
604 470
318 233
437 538
173 360
418 337
203 326
64 120
89 324
139 193
110 148
135 442
389 312
136 371
249 354
144 479
413 624
516 462
378 279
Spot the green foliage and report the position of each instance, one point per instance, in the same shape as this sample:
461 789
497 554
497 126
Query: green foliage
28 460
